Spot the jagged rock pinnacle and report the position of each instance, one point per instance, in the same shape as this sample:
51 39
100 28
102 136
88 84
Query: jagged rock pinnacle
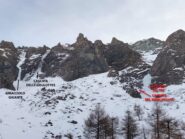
116 41
98 43
81 39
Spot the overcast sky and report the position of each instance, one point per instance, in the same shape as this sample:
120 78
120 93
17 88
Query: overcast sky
38 22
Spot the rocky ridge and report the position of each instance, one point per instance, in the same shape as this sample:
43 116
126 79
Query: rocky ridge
84 58
150 44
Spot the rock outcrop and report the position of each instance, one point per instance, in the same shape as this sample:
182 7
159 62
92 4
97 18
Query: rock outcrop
119 56
55 61
8 62
85 57
169 66
113 73
132 78
148 45
77 60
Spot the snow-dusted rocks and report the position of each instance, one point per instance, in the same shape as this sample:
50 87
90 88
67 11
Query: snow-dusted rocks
8 62
132 77
148 45
74 61
60 110
88 58
171 58
84 58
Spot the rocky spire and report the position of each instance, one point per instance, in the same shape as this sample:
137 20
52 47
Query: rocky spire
98 43
81 39
116 41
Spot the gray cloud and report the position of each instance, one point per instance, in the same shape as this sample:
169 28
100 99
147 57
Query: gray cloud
38 22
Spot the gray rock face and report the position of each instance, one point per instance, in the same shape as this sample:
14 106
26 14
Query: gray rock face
87 58
71 62
84 58
169 65
119 56
78 60
148 44
54 64
33 59
8 62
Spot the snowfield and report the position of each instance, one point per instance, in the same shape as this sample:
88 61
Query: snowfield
28 118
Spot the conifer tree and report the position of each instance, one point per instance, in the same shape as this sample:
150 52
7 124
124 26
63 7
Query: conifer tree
130 128
98 124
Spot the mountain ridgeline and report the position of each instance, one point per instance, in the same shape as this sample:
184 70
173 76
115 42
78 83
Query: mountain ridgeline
84 58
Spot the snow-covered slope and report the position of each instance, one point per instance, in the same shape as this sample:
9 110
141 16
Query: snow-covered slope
33 117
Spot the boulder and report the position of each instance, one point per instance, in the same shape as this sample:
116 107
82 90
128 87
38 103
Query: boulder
113 73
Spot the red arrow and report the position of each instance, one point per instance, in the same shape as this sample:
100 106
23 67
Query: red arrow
143 92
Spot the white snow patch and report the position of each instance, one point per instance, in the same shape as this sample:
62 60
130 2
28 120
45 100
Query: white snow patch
179 68
149 57
34 56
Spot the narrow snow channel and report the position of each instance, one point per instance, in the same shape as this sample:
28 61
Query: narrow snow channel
146 83
22 58
39 70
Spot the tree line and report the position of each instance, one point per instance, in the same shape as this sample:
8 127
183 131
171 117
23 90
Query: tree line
158 125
